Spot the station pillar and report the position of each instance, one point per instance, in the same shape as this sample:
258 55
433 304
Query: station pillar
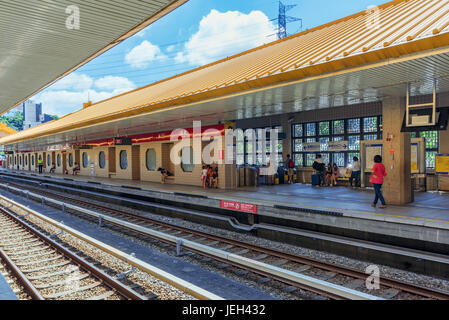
396 152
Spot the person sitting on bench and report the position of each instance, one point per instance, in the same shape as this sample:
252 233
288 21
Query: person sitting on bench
164 174
53 168
76 169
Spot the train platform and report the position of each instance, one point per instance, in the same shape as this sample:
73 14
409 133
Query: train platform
6 293
426 219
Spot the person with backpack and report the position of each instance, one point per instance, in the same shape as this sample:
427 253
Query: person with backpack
290 164
320 169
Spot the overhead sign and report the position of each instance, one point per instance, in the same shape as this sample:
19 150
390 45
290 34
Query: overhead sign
237 206
337 146
442 164
83 147
123 141
311 147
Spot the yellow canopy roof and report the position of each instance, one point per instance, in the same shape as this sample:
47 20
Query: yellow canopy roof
5 129
397 28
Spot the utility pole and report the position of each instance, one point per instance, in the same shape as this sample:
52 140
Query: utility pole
283 19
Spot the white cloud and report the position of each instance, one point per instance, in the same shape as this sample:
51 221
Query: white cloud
113 83
74 81
171 48
69 94
223 34
141 55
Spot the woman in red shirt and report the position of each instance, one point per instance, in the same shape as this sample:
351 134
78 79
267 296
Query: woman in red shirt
377 179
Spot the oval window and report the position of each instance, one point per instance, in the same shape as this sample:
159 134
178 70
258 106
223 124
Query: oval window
70 160
32 160
102 160
40 157
151 159
26 160
20 160
187 164
58 159
123 159
85 160
48 160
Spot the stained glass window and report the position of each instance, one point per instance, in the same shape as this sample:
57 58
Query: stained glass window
354 142
299 159
297 145
339 159
310 129
297 130
325 158
353 125
324 128
338 138
370 124
430 159
338 127
324 143
431 139
370 137
310 158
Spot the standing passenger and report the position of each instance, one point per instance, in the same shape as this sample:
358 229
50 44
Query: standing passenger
355 174
290 164
320 168
40 165
377 179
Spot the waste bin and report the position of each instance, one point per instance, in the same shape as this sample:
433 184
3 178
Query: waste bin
412 189
281 175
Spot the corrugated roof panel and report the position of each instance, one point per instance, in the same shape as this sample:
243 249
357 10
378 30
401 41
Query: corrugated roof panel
37 48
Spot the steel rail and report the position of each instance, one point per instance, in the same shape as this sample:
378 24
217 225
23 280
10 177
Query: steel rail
400 285
302 281
97 273
145 267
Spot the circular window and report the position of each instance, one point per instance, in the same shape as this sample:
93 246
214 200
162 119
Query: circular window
85 160
58 159
48 160
187 164
102 160
151 159
32 160
123 159
70 160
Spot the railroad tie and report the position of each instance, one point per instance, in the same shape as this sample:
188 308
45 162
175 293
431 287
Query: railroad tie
355 284
260 257
61 282
25 264
278 263
76 290
389 293
102 296
49 275
47 267
302 268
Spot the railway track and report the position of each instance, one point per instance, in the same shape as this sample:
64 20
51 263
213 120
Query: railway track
47 270
344 276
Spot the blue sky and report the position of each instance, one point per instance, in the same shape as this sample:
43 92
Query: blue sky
198 32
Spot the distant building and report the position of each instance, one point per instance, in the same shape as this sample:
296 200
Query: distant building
32 114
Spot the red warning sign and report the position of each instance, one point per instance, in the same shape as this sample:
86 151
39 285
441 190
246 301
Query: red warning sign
237 206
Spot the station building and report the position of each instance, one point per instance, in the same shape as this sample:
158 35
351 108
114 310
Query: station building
375 80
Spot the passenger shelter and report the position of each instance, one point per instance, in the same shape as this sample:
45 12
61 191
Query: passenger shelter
378 76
